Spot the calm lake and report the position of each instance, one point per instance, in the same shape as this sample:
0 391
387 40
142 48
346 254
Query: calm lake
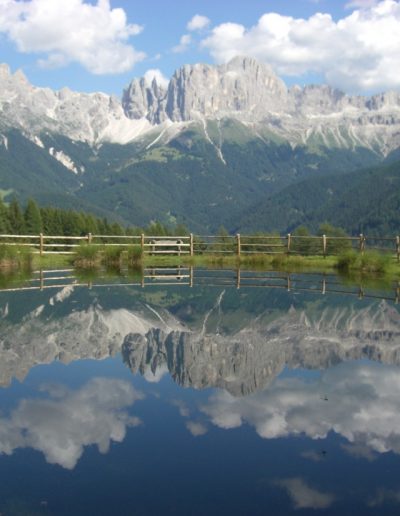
199 392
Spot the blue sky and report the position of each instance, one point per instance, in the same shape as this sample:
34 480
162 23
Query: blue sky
100 45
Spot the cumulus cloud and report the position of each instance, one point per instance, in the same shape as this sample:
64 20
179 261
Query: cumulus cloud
95 36
62 425
184 43
363 4
304 496
359 451
196 428
149 76
351 53
363 406
198 22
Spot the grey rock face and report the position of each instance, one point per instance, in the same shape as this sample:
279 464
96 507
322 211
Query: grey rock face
89 117
241 86
243 89
250 92
140 100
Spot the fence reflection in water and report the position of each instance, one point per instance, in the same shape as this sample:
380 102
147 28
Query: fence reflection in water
194 277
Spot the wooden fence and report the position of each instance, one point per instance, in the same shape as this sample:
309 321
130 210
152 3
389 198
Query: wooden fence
192 245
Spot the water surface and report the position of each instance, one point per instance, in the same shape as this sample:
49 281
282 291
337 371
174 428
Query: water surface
272 398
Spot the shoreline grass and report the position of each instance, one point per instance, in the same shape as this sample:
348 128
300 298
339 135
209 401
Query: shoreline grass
370 263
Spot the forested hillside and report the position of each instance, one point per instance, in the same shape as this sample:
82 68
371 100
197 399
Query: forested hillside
366 201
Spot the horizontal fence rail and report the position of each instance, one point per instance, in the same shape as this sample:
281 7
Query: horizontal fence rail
190 277
234 245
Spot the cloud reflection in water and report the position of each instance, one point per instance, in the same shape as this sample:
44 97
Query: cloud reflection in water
67 421
361 402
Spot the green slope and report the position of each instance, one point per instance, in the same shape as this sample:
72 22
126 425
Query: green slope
366 201
197 178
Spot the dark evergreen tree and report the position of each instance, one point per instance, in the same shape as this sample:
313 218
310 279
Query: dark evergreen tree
5 227
16 217
32 218
117 229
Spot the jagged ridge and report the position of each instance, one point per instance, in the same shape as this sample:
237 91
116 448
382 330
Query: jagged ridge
244 89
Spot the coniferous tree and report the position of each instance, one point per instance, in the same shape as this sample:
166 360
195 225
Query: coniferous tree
117 229
4 220
91 224
16 217
32 218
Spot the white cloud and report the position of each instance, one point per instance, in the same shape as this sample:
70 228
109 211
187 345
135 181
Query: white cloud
94 36
60 427
196 428
351 53
359 451
198 22
363 406
363 4
155 73
184 43
303 495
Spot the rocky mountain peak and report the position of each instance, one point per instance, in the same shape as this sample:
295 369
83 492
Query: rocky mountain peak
243 89
143 100
241 86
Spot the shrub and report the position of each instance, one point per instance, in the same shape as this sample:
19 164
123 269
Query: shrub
347 261
340 243
305 244
112 256
87 255
135 255
372 261
7 252
12 257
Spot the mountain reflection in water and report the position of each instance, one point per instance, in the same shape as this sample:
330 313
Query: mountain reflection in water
316 377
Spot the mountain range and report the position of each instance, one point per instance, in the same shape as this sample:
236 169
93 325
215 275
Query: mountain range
219 144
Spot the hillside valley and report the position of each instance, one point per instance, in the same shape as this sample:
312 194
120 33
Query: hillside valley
221 145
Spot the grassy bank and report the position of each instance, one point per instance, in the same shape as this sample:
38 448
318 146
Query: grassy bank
14 258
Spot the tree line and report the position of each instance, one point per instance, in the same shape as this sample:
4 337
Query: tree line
33 220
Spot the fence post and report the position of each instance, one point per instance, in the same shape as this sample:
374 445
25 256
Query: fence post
238 278
324 245
89 238
41 244
142 242
191 244
398 248
362 243
238 244
289 240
